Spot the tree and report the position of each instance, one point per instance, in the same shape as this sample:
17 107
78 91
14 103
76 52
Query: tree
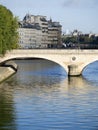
8 30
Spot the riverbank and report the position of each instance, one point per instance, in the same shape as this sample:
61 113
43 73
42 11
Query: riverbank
7 70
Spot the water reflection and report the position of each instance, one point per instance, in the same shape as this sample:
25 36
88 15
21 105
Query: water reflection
40 96
7 111
39 72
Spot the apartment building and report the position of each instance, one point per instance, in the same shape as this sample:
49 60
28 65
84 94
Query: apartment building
38 32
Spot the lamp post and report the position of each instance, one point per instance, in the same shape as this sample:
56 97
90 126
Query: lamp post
78 34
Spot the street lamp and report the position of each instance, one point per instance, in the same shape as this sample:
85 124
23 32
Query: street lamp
78 34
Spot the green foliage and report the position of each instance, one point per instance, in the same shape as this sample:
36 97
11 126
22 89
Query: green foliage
8 30
69 39
82 39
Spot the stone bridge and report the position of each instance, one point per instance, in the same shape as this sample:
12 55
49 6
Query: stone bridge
73 61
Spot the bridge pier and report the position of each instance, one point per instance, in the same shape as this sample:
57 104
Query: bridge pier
73 70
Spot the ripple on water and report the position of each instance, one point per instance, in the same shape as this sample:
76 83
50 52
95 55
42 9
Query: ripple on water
41 97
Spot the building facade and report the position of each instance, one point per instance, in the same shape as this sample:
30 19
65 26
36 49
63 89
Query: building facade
29 38
38 32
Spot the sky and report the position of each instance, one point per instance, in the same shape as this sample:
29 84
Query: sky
72 14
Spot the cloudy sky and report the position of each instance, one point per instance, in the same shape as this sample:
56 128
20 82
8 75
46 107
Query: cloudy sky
72 14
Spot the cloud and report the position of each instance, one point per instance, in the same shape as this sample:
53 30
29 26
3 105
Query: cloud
70 2
80 3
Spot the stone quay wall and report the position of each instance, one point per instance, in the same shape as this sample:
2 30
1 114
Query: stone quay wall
7 70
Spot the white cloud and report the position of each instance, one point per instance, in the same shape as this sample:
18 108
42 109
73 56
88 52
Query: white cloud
80 3
70 2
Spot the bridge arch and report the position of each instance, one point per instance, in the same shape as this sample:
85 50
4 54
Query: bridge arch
88 63
36 57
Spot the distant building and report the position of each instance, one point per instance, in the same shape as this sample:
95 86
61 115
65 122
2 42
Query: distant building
54 34
76 33
37 32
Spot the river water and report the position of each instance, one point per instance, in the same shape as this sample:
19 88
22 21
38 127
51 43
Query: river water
40 96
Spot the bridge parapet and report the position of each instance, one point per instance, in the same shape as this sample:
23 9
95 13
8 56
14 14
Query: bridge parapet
53 51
